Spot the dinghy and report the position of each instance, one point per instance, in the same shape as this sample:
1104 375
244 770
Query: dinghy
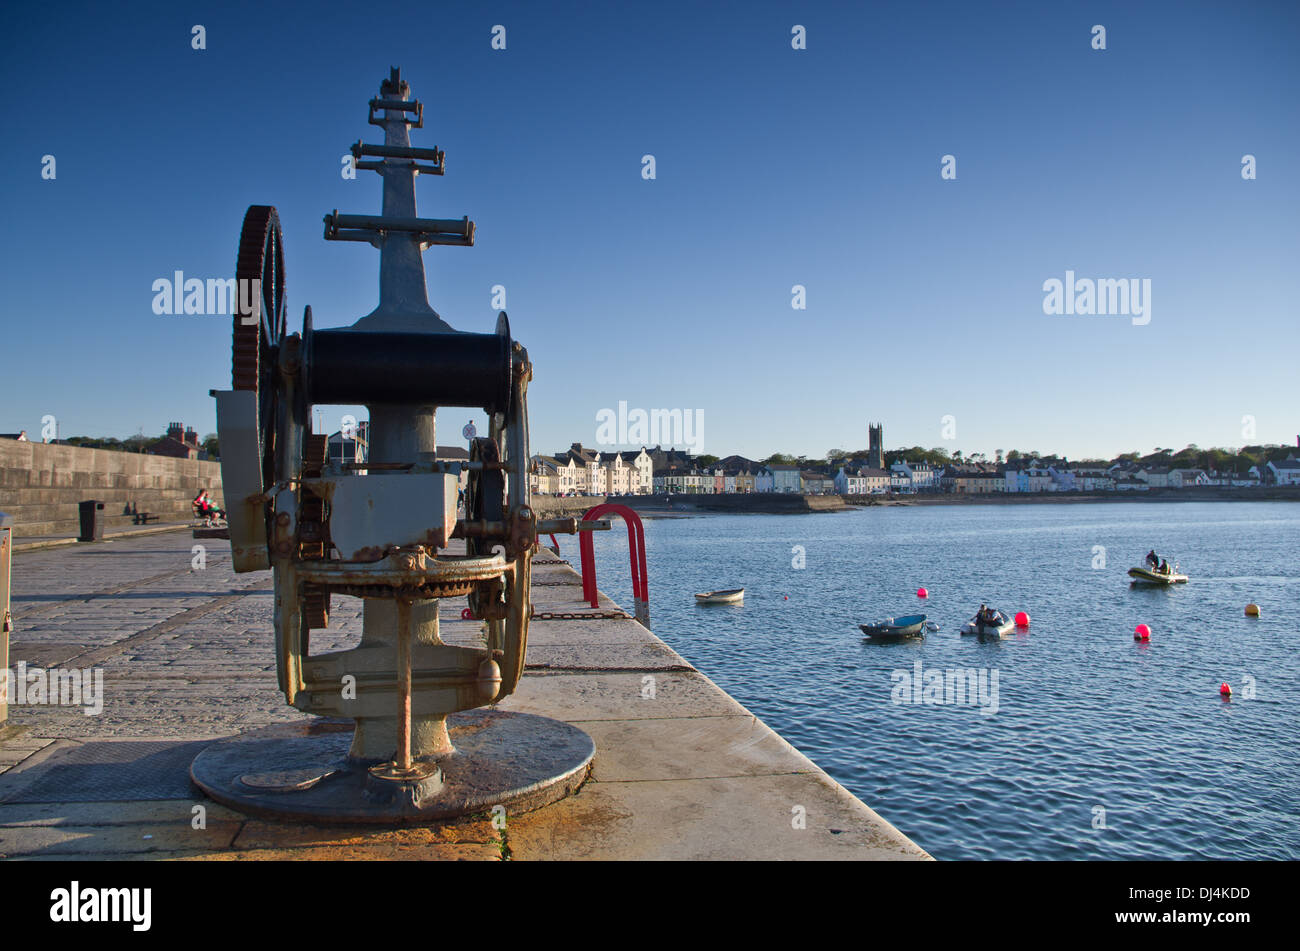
895 629
1003 626
1151 576
732 596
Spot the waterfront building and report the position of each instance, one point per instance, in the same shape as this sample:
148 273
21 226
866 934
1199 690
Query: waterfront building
617 475
764 479
816 483
1130 483
875 481
1285 472
1181 478
642 478
590 475
849 484
972 479
1157 477
786 479
544 476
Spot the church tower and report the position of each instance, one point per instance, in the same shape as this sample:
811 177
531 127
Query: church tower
876 446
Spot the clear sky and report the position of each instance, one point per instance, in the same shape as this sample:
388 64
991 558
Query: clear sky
774 167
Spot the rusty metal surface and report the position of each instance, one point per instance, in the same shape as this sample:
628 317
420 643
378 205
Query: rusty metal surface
518 760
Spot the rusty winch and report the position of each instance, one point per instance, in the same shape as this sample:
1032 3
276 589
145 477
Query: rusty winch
388 530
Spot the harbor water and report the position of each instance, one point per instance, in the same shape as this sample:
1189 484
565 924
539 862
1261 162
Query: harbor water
1072 740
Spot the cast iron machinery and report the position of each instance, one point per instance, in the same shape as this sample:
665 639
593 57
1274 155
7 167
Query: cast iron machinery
383 530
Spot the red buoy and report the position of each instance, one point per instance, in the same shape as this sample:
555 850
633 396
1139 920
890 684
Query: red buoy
922 593
466 614
1225 691
1142 633
1022 619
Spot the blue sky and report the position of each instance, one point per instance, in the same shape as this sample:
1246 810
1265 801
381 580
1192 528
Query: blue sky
774 167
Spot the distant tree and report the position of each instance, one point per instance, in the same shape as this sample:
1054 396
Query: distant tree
997 456
778 459
211 445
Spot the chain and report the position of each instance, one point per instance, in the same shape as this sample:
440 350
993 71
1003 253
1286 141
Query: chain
582 616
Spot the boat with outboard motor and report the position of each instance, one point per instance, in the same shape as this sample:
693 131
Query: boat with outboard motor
1149 575
1000 626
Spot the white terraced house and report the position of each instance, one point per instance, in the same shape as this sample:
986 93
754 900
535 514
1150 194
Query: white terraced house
915 476
544 476
641 480
619 476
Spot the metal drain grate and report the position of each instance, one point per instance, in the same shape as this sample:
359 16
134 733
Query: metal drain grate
107 772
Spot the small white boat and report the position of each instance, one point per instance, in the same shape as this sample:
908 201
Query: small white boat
1001 628
731 596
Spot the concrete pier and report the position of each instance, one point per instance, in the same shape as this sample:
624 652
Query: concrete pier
682 771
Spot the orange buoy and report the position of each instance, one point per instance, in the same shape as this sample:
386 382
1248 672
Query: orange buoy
1022 619
1252 610
1142 633
922 593
1225 691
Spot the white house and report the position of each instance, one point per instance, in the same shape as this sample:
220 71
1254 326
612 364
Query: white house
1157 477
1286 472
1180 478
848 484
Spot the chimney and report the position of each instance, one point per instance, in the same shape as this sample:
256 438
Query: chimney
191 437
176 431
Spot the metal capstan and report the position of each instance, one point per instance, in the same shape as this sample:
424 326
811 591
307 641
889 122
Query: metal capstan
381 530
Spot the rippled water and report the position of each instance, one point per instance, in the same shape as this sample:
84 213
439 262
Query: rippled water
1086 718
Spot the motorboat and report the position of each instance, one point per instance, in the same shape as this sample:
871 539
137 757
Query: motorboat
731 596
1001 627
1148 575
897 629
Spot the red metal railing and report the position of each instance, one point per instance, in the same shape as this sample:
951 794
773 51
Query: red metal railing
636 552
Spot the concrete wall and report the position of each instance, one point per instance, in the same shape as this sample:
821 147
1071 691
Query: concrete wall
783 502
40 485
554 506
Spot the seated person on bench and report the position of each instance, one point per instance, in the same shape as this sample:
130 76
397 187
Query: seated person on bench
204 507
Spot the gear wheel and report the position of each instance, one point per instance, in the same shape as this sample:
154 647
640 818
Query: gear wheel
259 319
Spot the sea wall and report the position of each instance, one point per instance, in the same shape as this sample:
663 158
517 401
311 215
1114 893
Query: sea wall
766 502
553 506
41 484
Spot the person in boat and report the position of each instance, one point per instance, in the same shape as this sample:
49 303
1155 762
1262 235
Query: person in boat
1164 567
1152 559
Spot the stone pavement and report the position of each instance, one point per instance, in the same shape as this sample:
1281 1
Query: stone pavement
682 771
